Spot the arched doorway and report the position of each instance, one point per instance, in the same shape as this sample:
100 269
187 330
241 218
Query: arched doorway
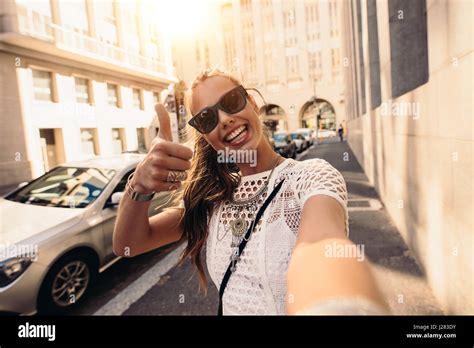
323 108
274 117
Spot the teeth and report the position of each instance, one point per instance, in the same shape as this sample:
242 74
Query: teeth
234 133
239 137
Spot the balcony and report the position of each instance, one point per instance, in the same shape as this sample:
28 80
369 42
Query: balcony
79 43
32 24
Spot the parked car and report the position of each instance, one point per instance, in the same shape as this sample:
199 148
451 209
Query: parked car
301 143
308 134
66 216
284 145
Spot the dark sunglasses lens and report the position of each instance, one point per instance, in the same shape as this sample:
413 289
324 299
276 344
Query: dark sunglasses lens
206 121
233 102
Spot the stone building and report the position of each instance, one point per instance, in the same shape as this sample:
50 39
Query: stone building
409 107
78 79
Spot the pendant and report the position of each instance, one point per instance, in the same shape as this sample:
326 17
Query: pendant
235 242
238 227
234 257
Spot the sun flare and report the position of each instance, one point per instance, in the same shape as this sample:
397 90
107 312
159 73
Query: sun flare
180 18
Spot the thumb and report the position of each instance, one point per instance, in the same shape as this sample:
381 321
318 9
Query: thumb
165 122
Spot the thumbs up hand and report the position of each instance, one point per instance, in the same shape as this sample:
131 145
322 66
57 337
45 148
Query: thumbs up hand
165 123
164 166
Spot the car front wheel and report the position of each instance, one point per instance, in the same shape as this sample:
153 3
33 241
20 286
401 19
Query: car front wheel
67 283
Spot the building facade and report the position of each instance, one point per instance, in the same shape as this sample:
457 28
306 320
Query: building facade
79 78
288 50
409 106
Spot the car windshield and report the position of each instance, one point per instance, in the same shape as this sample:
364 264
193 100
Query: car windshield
279 137
294 136
65 187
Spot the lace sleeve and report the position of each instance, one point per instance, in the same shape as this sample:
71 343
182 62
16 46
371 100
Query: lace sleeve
318 177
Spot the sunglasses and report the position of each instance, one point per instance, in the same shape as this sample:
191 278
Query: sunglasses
232 102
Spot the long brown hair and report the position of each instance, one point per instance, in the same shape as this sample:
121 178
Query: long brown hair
208 183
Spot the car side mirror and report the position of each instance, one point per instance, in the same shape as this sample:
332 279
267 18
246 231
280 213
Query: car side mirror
114 199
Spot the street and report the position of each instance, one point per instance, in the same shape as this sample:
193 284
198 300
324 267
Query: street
151 284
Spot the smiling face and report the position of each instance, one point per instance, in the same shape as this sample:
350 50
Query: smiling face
242 130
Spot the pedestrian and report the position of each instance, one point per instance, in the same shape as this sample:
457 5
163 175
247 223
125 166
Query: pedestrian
341 132
274 230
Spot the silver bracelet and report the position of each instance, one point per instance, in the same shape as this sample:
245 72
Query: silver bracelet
137 196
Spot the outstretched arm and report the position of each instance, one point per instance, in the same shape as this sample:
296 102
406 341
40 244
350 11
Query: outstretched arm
319 273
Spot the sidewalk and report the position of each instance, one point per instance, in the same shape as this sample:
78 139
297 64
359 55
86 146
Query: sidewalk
397 272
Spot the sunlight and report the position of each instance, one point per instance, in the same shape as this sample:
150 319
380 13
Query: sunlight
181 18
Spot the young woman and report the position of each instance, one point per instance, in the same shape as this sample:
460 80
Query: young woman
291 263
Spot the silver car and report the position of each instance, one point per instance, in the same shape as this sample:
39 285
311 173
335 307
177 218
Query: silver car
56 234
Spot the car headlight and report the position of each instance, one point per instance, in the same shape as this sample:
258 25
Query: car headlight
12 268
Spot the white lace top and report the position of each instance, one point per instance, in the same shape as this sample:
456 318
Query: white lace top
259 284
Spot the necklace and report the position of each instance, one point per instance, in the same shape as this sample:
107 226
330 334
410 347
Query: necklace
238 225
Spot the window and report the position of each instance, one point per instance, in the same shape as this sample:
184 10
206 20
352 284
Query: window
107 27
248 36
43 85
361 59
155 45
408 45
333 17
289 18
83 94
89 143
156 97
271 68
312 21
137 98
131 22
141 139
74 15
118 140
246 5
229 47
292 66
65 187
113 95
289 23
335 60
268 23
315 65
374 58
